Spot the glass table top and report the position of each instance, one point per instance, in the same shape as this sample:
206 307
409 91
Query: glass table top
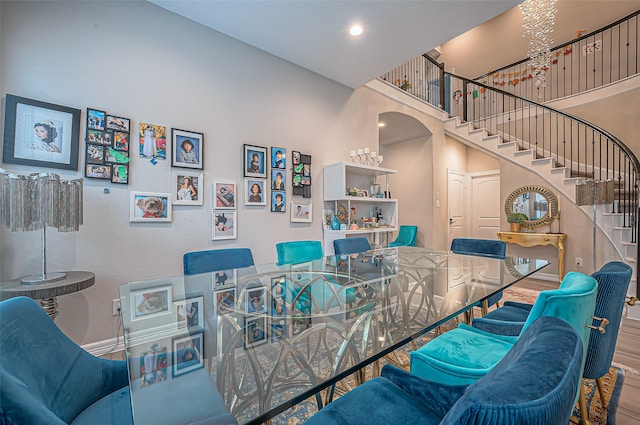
261 339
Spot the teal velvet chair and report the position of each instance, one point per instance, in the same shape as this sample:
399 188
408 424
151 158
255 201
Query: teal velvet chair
406 236
45 378
351 245
483 248
212 260
613 281
465 354
534 383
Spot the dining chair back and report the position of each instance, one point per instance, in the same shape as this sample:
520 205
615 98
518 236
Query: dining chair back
483 248
295 252
46 378
534 384
212 260
406 236
351 245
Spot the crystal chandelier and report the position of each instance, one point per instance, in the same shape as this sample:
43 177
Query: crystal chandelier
538 20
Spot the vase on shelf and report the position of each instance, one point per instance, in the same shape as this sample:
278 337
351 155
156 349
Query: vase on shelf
335 223
515 227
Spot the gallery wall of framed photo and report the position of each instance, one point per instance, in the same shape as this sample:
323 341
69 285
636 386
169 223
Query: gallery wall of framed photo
107 151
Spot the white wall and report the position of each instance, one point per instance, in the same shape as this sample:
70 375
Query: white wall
139 61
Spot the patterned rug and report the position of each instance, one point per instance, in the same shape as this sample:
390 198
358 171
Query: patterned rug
613 381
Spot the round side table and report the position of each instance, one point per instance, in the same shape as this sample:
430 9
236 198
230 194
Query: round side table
47 292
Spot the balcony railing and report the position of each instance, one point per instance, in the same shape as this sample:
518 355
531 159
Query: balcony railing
586 150
590 61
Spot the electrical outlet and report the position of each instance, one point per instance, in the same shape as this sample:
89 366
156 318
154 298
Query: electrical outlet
578 262
116 307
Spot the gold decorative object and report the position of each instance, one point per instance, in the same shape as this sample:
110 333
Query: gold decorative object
537 202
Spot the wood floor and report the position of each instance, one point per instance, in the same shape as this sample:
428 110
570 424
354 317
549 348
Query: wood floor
627 356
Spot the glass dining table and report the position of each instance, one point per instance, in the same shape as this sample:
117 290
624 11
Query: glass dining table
259 340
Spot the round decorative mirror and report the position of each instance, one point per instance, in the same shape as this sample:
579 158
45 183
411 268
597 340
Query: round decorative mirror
537 202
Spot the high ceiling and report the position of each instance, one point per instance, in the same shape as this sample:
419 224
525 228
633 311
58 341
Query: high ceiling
314 33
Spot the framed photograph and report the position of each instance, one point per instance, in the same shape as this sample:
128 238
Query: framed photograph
121 141
95 171
299 324
279 308
153 141
278 201
301 213
112 155
187 149
279 158
225 301
224 279
255 161
150 302
40 134
256 300
118 123
327 217
255 331
120 173
296 157
224 194
278 179
190 313
224 225
150 207
95 154
254 192
187 187
153 365
96 120
99 137
187 353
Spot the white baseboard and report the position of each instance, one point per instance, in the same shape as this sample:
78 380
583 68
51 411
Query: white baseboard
106 346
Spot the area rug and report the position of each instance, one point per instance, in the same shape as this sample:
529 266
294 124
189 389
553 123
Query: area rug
613 380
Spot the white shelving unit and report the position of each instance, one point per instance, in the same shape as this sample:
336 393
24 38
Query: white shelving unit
340 177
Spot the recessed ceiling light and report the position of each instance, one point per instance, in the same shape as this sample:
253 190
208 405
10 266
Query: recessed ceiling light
356 30
381 124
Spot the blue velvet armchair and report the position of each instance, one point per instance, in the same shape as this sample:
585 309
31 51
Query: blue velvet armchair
613 281
482 248
351 245
465 354
212 260
45 378
407 236
535 384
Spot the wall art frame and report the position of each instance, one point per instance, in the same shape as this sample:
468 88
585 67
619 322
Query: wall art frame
224 225
187 188
187 149
40 134
187 353
225 195
255 161
150 207
301 213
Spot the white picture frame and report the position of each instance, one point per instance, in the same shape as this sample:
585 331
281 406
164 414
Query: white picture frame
301 213
150 207
192 194
254 196
225 195
151 302
224 224
189 313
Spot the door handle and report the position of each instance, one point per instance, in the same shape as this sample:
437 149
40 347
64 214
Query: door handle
451 221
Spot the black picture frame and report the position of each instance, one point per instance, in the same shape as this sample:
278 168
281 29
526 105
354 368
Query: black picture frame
60 146
194 158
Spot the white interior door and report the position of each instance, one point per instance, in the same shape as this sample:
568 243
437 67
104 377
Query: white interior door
485 204
456 195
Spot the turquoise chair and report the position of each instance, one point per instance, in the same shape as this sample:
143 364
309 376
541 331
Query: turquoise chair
406 236
465 354
533 384
296 252
213 260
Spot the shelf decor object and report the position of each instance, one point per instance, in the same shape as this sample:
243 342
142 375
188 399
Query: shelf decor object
36 201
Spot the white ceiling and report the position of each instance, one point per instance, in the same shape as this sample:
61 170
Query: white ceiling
314 33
